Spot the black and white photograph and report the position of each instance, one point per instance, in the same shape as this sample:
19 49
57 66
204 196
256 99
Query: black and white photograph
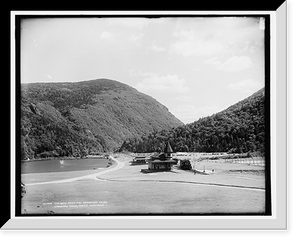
139 115
133 115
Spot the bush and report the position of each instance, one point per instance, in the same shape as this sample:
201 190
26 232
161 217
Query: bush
185 164
48 154
45 154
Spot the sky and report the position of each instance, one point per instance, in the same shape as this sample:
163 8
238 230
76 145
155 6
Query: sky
195 66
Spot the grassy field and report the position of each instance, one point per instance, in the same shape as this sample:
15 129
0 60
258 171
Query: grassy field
231 189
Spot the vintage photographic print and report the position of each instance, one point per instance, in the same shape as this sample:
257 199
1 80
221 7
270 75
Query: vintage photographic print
144 115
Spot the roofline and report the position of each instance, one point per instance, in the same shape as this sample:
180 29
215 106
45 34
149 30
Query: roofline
162 161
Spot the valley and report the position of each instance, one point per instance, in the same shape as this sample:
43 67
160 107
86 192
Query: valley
87 120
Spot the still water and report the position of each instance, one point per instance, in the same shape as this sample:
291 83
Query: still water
62 165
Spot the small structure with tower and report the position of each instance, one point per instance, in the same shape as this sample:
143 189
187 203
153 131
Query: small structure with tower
161 162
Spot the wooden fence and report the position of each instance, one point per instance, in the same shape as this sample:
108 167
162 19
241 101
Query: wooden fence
252 161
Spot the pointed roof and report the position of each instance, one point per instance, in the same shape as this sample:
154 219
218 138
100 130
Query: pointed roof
168 148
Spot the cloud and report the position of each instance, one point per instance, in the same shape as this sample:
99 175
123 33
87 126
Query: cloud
214 61
136 38
48 76
184 98
156 48
168 83
245 86
186 113
190 113
139 73
235 63
106 35
196 47
190 43
232 64
215 36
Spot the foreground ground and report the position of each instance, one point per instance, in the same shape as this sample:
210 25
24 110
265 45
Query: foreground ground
228 188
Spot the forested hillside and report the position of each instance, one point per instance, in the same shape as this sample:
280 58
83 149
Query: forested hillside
76 119
239 129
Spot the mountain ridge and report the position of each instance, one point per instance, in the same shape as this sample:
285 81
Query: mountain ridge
75 119
238 128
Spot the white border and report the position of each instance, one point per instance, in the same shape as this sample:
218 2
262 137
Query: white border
281 114
273 105
12 115
278 148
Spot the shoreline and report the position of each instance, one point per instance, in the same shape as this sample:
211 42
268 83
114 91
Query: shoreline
64 158
49 177
115 164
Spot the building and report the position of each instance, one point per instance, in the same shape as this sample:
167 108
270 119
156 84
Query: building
161 162
139 160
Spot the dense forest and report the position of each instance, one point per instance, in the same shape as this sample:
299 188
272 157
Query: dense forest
89 117
238 129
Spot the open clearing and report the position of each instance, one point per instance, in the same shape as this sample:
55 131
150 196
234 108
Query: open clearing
123 189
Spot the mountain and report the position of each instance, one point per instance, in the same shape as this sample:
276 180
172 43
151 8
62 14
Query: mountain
240 128
79 118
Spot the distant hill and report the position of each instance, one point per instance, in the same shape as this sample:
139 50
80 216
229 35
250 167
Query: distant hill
240 128
79 118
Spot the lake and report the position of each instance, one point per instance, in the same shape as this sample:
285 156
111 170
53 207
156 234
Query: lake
62 165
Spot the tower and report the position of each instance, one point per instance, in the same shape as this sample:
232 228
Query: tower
168 150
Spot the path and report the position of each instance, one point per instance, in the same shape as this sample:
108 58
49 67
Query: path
120 165
94 176
192 183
